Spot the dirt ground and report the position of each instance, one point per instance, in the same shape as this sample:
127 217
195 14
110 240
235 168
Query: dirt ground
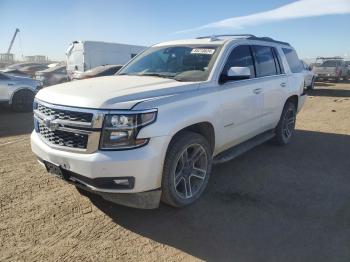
271 204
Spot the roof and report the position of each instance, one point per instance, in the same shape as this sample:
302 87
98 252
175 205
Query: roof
220 40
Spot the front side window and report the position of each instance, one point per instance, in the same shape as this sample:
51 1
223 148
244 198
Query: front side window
293 61
181 63
240 57
265 62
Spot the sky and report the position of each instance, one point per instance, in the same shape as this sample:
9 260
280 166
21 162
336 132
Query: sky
313 27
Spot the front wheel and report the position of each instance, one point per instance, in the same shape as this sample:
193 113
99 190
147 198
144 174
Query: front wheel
186 169
286 125
22 101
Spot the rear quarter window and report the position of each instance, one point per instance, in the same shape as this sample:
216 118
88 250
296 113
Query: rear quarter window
293 61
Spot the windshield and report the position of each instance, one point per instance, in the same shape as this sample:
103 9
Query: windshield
181 63
330 63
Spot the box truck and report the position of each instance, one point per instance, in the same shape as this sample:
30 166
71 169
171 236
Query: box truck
85 55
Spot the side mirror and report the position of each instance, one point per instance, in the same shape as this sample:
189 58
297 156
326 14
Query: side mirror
236 73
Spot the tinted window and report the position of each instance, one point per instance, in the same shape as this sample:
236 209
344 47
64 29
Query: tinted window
278 60
240 56
330 63
293 60
265 62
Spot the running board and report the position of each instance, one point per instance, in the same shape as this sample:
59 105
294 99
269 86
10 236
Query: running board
235 151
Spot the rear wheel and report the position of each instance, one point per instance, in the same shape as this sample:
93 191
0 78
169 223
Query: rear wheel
286 125
186 169
22 101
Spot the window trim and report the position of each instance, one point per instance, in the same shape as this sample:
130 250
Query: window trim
278 60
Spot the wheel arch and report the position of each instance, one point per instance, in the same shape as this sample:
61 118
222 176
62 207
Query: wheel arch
294 99
206 129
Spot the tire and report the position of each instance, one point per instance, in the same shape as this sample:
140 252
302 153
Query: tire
286 126
312 85
22 101
181 174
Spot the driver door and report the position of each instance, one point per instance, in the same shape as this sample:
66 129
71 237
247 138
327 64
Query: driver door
241 101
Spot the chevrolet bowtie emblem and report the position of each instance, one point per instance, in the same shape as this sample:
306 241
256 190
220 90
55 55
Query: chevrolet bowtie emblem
50 124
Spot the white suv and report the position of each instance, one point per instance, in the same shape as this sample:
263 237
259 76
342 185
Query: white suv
153 131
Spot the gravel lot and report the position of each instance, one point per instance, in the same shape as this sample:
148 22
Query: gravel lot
271 204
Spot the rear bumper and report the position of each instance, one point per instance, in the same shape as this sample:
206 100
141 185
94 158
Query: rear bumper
301 101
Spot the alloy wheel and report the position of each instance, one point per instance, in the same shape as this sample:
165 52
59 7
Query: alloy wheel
191 171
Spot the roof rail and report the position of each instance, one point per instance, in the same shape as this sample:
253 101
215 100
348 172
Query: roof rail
216 36
247 36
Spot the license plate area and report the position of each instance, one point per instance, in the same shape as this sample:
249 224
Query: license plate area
55 170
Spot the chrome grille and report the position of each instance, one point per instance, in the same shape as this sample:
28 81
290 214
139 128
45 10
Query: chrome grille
63 138
65 114
68 128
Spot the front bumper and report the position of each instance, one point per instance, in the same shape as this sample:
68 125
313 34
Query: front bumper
327 76
144 165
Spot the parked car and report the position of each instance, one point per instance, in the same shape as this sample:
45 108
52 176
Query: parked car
85 55
18 92
153 131
104 70
347 67
14 72
331 68
309 76
31 70
19 66
52 75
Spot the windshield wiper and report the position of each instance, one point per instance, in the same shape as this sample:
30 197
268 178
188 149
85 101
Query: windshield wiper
157 75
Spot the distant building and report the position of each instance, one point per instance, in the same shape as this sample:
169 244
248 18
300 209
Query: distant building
36 58
5 57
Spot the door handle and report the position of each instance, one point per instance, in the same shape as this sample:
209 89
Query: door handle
283 84
257 90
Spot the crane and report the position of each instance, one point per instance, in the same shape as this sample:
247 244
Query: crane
13 39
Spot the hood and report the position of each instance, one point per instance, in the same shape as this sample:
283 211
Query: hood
112 92
22 78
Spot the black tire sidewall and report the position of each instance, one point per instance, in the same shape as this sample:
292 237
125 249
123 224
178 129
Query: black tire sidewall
16 106
280 138
176 147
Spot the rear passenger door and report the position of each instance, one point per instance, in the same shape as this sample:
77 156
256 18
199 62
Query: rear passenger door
274 84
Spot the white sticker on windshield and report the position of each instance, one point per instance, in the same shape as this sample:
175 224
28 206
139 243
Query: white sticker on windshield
203 51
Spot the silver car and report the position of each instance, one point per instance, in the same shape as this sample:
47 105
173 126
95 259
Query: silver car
18 92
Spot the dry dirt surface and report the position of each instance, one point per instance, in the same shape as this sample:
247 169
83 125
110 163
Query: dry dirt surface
273 203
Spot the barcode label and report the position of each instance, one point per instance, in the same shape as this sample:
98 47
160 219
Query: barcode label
203 51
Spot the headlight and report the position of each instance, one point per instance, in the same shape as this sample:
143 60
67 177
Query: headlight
120 130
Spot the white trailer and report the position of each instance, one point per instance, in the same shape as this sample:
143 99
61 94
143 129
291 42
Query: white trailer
85 55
